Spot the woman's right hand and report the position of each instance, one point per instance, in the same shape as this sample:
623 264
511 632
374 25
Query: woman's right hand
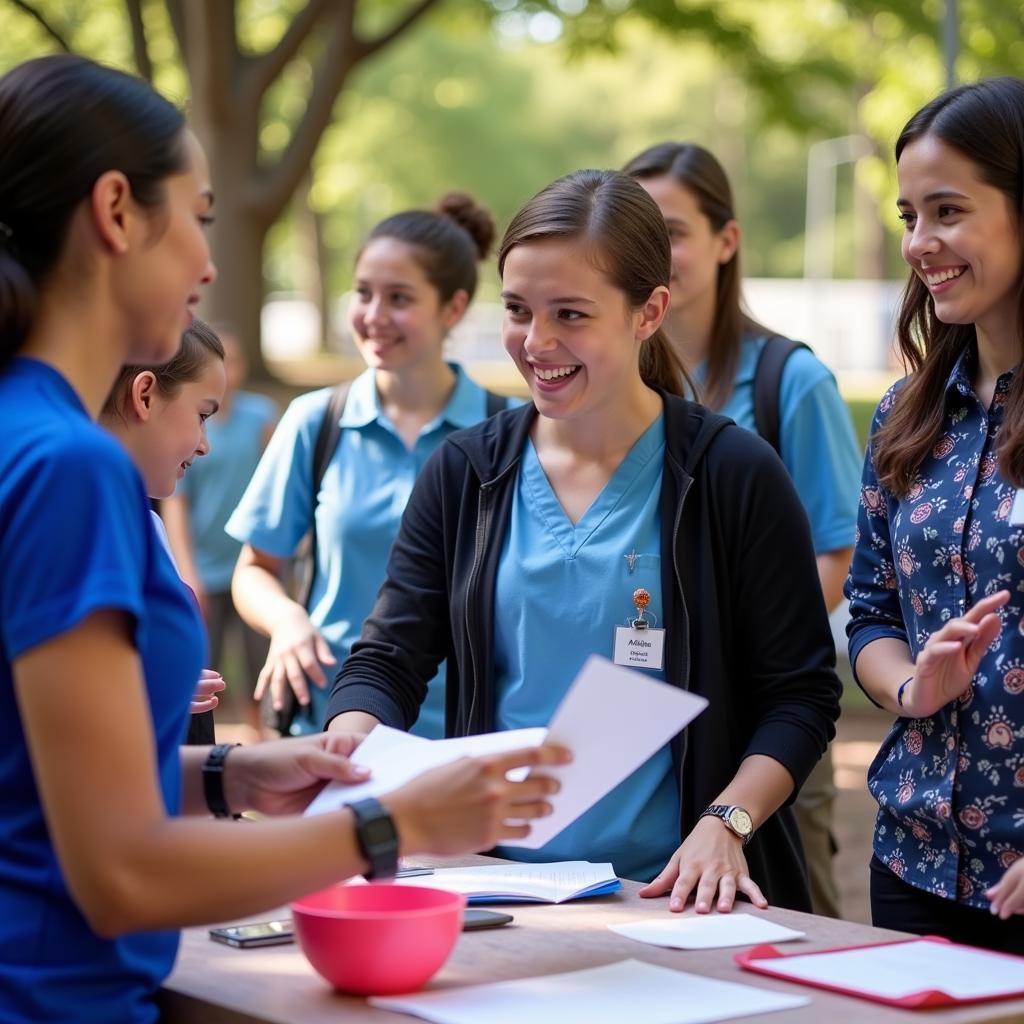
949 659
470 805
297 651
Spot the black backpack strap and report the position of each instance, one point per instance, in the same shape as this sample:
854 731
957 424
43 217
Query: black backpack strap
495 404
326 441
767 384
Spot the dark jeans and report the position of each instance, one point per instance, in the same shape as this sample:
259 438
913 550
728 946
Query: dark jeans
897 905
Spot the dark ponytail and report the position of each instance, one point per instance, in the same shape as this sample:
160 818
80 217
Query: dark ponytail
615 214
64 122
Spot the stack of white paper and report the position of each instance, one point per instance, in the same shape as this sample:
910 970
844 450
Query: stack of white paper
630 990
523 883
588 722
706 931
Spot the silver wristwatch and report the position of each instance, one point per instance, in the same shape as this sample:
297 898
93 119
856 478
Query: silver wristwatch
737 819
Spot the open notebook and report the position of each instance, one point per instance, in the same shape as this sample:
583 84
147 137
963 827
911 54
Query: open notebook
523 883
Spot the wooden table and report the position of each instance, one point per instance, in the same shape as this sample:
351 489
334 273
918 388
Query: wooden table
216 984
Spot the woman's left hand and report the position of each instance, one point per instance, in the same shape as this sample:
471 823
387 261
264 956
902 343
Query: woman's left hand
710 860
1007 895
283 776
205 698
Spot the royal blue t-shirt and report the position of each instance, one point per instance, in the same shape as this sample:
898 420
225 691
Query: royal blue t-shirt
75 538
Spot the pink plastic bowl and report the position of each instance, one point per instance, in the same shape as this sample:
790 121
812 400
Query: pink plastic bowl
378 939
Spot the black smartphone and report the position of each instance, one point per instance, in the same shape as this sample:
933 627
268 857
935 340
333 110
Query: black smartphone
474 920
260 933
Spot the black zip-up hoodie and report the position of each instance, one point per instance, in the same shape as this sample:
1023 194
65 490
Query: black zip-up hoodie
745 619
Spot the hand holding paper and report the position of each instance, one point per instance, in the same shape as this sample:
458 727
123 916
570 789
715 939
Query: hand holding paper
588 723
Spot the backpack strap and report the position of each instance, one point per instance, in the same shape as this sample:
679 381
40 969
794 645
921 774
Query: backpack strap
767 384
495 404
326 441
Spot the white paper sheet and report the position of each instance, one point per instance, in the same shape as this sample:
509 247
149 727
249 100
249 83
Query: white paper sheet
901 969
630 990
395 758
706 931
589 721
544 883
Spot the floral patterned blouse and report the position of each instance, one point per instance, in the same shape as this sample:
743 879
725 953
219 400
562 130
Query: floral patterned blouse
950 788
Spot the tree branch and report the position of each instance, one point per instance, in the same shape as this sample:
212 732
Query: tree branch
212 49
274 186
368 47
140 48
31 11
265 68
176 15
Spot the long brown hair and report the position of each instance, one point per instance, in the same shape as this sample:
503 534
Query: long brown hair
614 214
697 170
985 122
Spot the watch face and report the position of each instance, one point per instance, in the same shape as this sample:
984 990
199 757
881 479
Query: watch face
741 821
379 831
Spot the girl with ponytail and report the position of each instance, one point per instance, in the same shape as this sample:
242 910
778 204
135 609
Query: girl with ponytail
529 539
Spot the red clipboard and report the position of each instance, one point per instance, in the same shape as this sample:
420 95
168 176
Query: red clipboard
759 960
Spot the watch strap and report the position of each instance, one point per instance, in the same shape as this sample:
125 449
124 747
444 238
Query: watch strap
377 837
213 780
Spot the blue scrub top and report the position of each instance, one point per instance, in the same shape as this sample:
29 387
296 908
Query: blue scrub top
561 590
819 446
362 498
215 483
76 537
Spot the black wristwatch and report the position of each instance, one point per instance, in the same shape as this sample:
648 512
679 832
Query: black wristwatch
377 837
213 780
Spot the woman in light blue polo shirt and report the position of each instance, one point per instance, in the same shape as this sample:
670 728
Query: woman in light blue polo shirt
414 280
723 346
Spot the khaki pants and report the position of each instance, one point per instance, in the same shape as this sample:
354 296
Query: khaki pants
813 811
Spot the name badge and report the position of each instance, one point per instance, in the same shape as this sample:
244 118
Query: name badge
1017 512
639 648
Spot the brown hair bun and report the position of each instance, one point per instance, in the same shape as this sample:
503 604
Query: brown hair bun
472 218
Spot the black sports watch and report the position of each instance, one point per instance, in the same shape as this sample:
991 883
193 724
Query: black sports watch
737 819
377 837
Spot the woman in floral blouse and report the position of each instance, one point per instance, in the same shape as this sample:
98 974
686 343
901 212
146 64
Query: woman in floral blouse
937 581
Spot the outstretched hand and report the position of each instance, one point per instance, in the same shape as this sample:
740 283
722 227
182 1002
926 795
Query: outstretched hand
710 861
949 659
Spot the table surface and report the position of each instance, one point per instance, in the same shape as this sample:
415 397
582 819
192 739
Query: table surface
217 984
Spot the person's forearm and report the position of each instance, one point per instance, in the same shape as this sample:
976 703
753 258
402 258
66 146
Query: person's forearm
352 722
760 786
833 567
260 598
882 667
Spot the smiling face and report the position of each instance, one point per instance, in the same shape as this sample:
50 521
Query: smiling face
962 238
396 315
173 434
171 263
698 250
568 328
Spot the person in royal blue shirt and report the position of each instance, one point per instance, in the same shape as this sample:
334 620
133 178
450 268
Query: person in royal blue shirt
724 347
103 196
935 586
529 538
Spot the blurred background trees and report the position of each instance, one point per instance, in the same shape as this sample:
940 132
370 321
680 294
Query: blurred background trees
322 116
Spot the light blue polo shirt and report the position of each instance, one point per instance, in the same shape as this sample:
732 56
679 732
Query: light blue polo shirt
561 590
819 446
364 492
215 483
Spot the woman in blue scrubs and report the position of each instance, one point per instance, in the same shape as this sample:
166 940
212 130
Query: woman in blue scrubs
103 199
724 346
414 279
530 537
